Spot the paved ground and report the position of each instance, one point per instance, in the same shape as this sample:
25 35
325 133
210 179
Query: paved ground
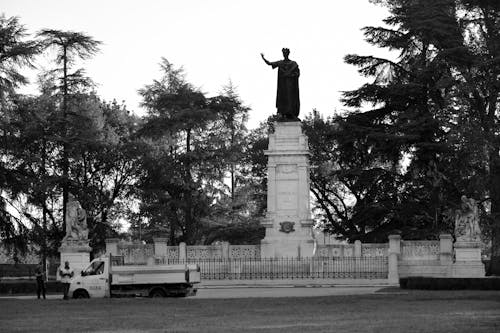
256 292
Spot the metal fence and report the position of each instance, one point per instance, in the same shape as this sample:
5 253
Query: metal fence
289 268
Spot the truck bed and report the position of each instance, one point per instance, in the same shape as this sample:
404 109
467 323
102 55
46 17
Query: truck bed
155 274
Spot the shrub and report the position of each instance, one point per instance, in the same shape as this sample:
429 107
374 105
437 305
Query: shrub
437 283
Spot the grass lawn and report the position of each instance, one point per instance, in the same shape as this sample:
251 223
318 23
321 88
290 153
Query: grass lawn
416 311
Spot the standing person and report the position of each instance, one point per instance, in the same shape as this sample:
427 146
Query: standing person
66 273
40 282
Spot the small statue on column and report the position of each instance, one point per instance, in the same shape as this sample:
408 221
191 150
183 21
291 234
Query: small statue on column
76 221
467 221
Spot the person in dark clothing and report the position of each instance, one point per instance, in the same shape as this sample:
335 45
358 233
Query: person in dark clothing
40 282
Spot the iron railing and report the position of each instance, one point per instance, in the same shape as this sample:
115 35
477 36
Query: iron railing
288 268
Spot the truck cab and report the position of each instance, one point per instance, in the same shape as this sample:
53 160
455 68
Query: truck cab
107 276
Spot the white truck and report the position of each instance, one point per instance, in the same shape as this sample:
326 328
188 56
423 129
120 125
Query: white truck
108 277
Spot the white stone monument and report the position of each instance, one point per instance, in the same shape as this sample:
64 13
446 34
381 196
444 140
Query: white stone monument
468 241
288 220
75 245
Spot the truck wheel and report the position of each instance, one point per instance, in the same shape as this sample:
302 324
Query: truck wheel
80 294
157 292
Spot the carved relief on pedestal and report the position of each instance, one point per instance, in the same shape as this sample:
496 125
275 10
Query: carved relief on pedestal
287 227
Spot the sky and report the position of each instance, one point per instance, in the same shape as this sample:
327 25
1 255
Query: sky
215 41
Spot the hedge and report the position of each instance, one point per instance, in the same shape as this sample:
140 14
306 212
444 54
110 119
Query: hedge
26 271
28 287
437 283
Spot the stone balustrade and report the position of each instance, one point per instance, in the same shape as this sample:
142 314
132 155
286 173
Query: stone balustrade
403 258
137 252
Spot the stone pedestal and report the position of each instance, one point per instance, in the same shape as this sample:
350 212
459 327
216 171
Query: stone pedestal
288 220
77 253
468 260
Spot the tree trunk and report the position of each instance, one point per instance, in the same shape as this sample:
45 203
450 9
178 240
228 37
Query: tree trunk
44 210
495 211
65 162
188 208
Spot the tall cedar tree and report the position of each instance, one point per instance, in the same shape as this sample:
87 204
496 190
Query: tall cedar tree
232 115
477 72
70 46
403 135
16 52
233 215
183 161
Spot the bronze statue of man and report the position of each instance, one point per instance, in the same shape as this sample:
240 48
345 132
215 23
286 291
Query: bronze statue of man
287 96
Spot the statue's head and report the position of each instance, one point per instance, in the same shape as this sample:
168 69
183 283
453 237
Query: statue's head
286 52
71 197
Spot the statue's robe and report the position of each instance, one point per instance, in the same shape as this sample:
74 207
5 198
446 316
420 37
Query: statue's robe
287 96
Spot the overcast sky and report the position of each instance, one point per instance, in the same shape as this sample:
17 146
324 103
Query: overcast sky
215 41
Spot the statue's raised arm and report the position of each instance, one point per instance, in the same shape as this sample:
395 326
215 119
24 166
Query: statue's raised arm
265 60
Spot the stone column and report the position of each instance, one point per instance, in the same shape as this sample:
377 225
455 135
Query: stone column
445 249
112 246
225 250
394 253
160 246
182 251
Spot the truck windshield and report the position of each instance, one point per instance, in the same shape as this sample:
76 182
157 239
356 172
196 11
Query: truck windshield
96 268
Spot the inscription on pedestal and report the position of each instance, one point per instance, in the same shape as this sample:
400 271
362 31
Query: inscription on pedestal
286 170
287 195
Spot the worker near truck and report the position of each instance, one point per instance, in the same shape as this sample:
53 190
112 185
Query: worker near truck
66 273
40 283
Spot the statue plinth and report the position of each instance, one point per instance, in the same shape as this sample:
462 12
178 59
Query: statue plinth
77 253
468 261
288 222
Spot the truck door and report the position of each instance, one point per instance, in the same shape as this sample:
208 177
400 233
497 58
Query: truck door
95 281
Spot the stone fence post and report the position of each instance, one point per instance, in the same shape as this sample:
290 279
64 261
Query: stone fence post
112 246
394 253
182 251
357 249
225 250
445 249
160 246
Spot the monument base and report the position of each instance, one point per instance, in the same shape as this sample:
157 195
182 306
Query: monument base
467 260
288 223
77 253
